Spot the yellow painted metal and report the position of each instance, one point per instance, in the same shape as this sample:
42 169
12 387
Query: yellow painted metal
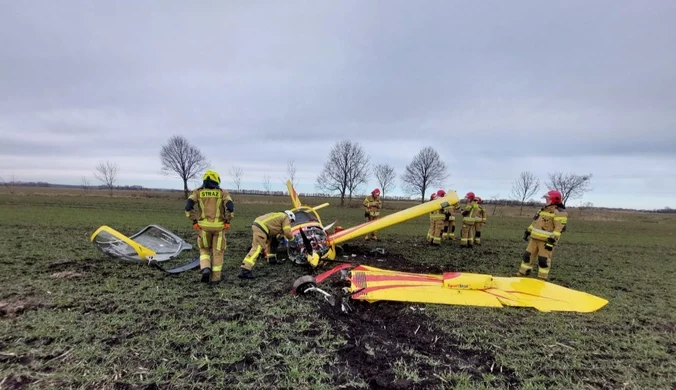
143 252
374 284
295 200
451 198
321 206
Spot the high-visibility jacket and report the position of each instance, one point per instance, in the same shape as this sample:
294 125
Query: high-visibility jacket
437 215
471 213
372 205
215 207
274 223
550 221
448 212
482 214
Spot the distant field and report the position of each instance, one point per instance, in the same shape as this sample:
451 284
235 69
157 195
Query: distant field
72 318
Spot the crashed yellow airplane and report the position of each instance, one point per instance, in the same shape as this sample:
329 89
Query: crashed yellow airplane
372 284
313 242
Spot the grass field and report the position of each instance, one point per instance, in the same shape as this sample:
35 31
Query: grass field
72 318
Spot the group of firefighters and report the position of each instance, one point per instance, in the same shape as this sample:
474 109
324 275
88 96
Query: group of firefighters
216 209
442 222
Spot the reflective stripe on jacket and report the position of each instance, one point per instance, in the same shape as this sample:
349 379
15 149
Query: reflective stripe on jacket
549 222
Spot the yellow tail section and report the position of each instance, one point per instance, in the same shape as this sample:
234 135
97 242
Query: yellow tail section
293 194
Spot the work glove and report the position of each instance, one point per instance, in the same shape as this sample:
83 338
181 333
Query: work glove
366 214
195 225
550 244
526 235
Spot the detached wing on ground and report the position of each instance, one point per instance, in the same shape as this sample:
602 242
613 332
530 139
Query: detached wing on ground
451 198
455 288
152 243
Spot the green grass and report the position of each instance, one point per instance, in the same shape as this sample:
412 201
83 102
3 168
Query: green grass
122 325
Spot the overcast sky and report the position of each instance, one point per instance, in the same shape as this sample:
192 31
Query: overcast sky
496 87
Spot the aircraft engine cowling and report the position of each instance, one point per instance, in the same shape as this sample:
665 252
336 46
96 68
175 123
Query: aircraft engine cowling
318 241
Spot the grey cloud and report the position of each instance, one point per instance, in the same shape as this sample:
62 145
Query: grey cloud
494 82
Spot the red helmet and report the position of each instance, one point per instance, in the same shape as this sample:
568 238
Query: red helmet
554 195
376 191
469 196
441 193
433 196
478 199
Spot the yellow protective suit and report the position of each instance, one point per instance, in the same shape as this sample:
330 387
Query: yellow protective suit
264 229
213 218
542 235
372 206
469 214
481 216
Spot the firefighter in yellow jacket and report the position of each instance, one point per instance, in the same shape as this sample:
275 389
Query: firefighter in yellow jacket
216 208
480 221
448 229
436 221
543 234
266 229
372 206
469 219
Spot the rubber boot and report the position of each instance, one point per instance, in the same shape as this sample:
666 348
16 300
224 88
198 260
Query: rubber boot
206 275
245 274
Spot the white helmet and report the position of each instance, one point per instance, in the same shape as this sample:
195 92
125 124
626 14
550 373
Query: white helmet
291 215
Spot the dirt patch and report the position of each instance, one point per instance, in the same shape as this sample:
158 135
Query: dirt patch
396 345
12 382
66 275
19 306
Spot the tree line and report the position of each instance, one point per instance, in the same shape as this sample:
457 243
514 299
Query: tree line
347 168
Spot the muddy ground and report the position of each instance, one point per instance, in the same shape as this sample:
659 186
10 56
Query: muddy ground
384 335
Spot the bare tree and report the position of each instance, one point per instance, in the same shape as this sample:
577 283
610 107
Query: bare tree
291 172
424 171
107 173
525 187
571 186
345 169
385 176
9 185
494 199
181 158
586 206
266 183
85 184
236 174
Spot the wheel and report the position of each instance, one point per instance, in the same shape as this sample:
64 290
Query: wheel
302 284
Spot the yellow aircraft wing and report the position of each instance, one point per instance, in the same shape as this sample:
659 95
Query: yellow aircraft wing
451 198
459 288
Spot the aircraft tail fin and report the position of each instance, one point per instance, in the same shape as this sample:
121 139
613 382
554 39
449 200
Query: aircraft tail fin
293 194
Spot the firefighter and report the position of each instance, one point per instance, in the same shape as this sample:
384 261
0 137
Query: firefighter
481 221
216 208
436 222
267 230
372 205
468 220
543 234
448 229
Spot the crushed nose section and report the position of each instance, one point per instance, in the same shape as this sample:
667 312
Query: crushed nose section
151 243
